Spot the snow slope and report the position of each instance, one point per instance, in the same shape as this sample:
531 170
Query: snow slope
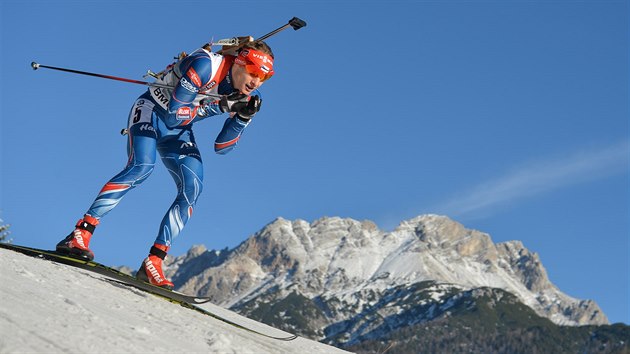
47 307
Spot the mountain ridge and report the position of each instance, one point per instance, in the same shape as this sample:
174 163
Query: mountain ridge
339 258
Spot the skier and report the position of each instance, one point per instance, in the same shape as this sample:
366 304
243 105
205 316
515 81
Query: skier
161 120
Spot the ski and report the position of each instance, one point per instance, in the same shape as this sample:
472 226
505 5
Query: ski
232 323
106 271
116 276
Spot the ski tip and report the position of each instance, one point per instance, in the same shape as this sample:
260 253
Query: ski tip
34 65
201 300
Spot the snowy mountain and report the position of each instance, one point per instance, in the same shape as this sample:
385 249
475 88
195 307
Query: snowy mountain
47 307
341 270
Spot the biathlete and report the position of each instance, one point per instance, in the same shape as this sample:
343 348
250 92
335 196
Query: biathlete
161 121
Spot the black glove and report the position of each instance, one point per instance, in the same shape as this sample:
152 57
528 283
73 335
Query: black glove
244 106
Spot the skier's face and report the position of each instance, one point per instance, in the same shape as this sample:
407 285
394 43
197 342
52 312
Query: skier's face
251 68
243 81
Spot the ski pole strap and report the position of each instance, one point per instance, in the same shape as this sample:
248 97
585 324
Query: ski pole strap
157 252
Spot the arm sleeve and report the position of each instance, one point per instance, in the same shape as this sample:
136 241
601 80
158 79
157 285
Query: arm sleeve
230 134
196 70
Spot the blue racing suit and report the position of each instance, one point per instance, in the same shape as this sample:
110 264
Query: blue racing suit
161 121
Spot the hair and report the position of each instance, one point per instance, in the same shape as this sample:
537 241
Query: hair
256 45
259 46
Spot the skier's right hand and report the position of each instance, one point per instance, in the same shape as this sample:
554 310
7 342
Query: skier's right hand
208 107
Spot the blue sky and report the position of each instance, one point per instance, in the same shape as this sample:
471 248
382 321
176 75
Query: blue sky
510 117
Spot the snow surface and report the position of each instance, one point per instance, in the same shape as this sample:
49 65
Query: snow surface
46 307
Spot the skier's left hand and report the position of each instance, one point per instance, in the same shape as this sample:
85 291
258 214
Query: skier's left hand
244 106
250 109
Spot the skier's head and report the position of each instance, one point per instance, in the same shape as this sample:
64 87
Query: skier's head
252 66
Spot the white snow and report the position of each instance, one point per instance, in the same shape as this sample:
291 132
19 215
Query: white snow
47 307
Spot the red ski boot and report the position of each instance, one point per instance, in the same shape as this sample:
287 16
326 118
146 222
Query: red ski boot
78 242
151 269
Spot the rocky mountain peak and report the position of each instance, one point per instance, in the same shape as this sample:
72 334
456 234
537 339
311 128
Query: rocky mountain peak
335 257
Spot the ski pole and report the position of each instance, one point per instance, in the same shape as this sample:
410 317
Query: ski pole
36 66
295 23
234 43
